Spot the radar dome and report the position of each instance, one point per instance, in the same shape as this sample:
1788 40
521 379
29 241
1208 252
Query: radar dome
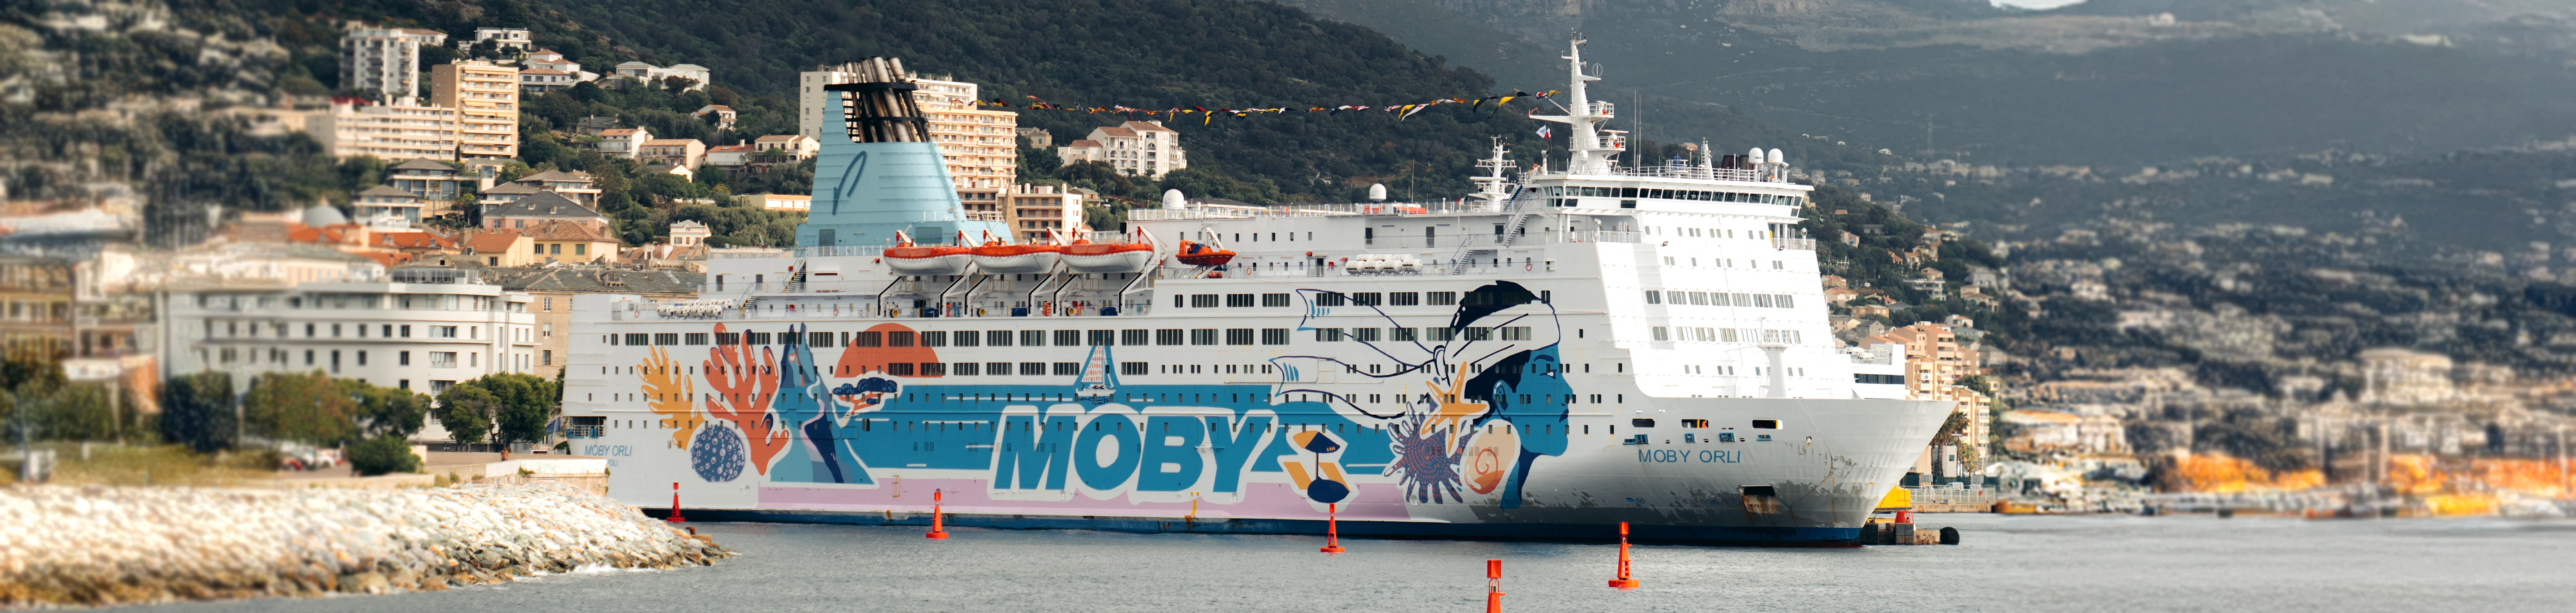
1377 192
324 215
1776 158
1754 156
1172 199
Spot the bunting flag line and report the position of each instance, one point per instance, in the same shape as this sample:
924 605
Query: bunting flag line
1401 111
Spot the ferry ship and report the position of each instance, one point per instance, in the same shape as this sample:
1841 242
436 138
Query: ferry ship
1583 344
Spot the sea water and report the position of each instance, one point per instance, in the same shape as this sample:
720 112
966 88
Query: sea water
2006 563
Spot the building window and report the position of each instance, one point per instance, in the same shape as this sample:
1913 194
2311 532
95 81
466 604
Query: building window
545 357
402 358
442 359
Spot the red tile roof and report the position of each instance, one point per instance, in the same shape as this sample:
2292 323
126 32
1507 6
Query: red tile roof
492 241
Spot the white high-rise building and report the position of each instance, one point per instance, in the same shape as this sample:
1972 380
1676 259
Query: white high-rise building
385 61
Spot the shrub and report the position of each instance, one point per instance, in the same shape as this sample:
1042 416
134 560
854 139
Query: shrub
383 454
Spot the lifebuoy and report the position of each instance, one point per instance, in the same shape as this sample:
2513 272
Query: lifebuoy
1528 267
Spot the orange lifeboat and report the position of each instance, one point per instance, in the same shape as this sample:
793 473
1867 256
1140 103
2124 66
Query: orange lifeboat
907 258
997 258
1087 256
1195 254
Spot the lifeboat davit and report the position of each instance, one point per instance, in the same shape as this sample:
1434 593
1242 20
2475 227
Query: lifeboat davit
997 258
1087 256
907 258
1195 254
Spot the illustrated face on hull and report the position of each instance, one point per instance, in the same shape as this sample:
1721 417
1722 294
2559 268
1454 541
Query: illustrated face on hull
851 410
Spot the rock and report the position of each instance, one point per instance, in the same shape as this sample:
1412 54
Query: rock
113 546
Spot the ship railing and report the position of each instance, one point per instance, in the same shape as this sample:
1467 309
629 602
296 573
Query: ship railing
1801 244
1451 207
1603 109
793 309
1689 172
983 216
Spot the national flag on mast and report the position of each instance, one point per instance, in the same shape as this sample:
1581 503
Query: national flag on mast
1545 131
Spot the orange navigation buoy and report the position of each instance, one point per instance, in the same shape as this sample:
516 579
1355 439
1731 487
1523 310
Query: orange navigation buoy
675 504
1493 586
938 522
1332 528
1625 581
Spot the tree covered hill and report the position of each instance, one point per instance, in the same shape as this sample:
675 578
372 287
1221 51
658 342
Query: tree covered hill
1139 53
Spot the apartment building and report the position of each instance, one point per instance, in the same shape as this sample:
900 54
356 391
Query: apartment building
486 97
682 152
551 288
1935 361
352 128
415 328
1036 209
428 180
1135 148
385 61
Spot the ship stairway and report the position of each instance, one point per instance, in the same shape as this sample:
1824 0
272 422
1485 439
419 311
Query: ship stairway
796 282
1054 276
962 289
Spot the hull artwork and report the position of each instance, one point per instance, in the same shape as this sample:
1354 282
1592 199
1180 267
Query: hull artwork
1486 435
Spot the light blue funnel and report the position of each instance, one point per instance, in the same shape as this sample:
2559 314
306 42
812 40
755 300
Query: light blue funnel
865 192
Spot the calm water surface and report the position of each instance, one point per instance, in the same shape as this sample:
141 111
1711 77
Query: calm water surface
2015 563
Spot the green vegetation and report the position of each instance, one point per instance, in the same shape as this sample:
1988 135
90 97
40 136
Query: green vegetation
124 465
38 404
381 455
197 411
504 407
318 410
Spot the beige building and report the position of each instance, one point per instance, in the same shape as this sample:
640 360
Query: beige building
388 132
979 144
486 98
682 152
1934 363
621 142
1035 209
1135 148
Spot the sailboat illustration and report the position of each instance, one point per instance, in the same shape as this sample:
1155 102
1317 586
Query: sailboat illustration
1097 382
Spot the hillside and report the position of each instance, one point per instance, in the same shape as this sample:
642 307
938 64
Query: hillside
2113 82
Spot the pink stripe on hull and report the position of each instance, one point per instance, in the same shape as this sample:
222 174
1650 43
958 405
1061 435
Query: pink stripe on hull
1375 501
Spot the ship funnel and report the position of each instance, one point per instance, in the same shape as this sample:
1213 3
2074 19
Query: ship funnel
1172 199
1377 192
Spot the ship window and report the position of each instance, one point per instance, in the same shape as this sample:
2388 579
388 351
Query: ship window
968 338
1404 334
824 339
1328 334
867 339
756 338
1132 368
665 338
934 339
997 369
1171 336
1068 368
1694 423
1203 336
1238 336
1033 338
899 369
1627 204
1134 337
1330 299
1642 422
1403 298
1365 298
967 369
1766 424
1365 335
1033 368
1202 301
1102 337
1274 300
1068 338
1274 336
1443 298
1238 300
695 338
997 338
1654 297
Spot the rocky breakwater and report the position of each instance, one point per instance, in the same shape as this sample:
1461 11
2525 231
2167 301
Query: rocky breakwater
100 546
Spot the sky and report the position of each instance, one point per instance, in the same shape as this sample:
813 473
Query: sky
2035 4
